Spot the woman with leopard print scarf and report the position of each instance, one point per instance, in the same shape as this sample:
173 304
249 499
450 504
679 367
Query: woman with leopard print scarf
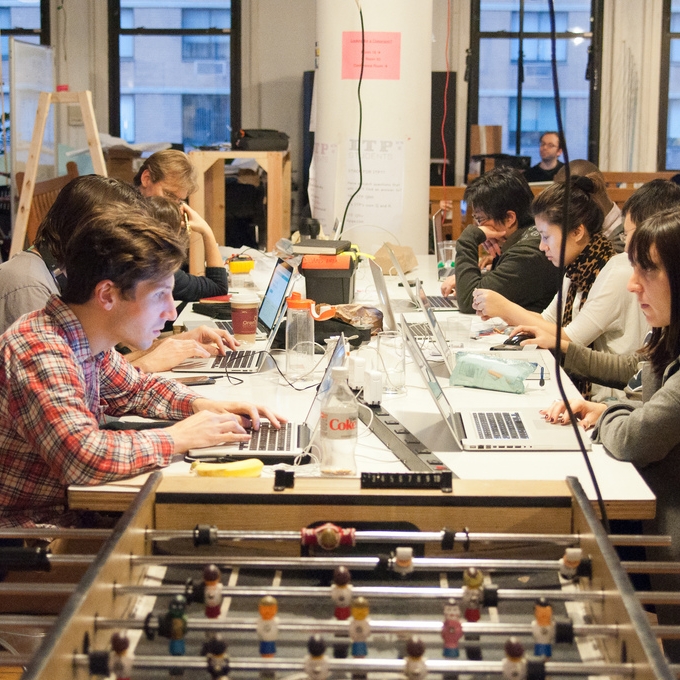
598 311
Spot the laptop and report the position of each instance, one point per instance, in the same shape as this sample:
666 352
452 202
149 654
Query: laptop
272 445
439 302
492 430
273 299
272 310
420 330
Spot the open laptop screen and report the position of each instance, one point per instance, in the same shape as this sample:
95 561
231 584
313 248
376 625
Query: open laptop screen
275 293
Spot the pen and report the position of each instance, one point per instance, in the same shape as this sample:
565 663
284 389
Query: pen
541 380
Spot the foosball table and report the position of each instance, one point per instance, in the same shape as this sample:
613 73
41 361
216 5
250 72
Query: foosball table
194 584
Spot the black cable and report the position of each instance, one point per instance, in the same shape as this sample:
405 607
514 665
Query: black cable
565 231
361 118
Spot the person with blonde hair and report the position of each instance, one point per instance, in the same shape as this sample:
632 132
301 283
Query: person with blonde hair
169 174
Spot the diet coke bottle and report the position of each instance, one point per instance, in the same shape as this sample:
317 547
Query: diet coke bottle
339 415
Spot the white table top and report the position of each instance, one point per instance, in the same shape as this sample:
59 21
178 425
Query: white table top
416 411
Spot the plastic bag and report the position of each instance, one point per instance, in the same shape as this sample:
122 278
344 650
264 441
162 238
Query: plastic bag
490 373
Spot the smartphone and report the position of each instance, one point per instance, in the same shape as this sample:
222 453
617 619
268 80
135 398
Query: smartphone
195 380
411 283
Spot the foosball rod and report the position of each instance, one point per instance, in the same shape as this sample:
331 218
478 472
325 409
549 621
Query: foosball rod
404 537
215 535
321 592
439 666
151 626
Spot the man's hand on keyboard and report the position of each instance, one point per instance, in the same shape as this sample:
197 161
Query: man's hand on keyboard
248 413
215 340
207 429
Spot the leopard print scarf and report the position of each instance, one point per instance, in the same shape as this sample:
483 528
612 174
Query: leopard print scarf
582 273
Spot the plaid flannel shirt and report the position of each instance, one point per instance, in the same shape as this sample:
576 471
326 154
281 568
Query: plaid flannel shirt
53 397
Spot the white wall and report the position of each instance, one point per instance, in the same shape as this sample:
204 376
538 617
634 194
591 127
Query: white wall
278 46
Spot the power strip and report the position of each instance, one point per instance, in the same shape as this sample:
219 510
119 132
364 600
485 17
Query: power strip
404 445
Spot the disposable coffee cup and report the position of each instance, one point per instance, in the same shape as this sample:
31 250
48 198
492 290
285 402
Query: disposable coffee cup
244 308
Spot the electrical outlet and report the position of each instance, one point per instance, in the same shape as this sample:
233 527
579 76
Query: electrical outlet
75 115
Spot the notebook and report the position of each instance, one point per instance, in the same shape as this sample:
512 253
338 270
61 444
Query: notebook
499 429
420 330
273 299
438 302
270 315
272 445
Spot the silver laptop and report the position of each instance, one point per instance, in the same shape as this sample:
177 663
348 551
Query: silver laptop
270 315
273 299
420 330
493 430
439 302
292 439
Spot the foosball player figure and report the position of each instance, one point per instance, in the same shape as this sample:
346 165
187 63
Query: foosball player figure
316 662
473 580
177 618
218 661
268 626
212 592
415 664
452 630
543 628
122 660
359 627
403 561
515 664
570 562
341 594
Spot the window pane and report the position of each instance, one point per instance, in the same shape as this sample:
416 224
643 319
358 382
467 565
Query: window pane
126 43
127 118
539 50
158 79
498 96
11 16
209 46
496 15
161 14
673 127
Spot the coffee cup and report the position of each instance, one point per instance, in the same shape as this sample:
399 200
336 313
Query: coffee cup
244 308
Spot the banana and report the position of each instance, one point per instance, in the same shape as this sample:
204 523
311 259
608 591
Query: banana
251 467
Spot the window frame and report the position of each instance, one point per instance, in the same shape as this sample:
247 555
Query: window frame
43 32
664 89
594 70
115 31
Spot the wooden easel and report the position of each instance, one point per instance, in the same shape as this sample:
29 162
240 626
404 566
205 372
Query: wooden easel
83 98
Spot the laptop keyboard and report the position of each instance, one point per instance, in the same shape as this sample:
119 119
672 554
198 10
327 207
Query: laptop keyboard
225 326
441 301
420 330
238 359
268 438
500 426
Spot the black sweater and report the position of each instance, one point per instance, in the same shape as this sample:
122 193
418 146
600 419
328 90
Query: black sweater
189 287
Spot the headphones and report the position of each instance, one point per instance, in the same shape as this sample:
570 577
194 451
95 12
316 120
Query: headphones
58 274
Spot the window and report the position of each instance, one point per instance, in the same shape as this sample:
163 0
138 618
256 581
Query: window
669 99
173 77
518 94
205 46
126 43
539 50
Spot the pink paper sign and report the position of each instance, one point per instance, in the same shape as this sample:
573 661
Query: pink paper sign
382 55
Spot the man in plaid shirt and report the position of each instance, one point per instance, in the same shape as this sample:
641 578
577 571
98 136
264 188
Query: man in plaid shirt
59 373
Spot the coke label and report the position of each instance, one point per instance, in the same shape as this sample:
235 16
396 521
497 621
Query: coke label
334 427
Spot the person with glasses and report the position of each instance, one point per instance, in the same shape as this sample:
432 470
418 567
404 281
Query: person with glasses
169 174
500 202
549 150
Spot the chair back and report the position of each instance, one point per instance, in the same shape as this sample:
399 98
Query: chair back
44 195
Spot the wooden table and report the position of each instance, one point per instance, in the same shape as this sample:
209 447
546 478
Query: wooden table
209 200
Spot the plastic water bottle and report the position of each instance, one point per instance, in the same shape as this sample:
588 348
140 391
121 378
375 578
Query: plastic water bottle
339 417
299 337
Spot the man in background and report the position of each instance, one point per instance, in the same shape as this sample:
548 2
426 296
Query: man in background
549 150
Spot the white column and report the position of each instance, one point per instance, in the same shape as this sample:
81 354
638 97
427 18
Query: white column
393 203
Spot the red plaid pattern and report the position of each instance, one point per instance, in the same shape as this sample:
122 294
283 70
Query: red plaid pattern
53 396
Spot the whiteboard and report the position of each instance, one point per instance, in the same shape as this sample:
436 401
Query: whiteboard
31 69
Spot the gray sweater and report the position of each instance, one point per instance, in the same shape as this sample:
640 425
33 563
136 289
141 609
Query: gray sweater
603 368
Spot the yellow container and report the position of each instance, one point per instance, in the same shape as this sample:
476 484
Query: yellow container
241 266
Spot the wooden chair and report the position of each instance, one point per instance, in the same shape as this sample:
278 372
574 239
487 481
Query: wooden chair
44 194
